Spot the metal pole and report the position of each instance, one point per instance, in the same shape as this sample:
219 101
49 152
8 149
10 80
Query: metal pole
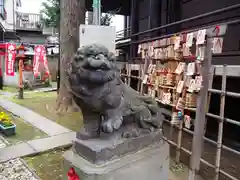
99 12
14 17
90 17
96 12
220 125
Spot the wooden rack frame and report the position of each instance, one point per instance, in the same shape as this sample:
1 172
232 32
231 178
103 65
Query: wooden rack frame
201 112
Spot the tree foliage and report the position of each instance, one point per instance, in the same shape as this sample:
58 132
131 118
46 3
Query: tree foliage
51 14
106 19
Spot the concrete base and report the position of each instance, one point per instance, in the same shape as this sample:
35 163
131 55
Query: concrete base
151 163
106 148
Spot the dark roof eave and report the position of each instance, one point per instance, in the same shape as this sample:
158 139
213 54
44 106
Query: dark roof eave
123 6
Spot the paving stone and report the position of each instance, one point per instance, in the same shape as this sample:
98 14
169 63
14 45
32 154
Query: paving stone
41 145
10 94
16 151
46 89
49 127
36 146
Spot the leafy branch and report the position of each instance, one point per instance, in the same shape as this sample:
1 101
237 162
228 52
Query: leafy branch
51 14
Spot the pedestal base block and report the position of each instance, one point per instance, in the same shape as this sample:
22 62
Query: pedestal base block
151 163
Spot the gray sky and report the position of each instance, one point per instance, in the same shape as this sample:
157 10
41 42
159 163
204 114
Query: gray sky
34 6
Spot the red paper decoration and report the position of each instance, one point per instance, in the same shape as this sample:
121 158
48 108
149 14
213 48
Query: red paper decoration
72 175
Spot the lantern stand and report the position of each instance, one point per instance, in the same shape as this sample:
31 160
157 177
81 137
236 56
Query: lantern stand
20 56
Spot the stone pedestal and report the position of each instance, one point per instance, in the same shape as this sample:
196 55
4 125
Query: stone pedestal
141 158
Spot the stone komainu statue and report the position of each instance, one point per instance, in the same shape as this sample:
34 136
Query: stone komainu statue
108 104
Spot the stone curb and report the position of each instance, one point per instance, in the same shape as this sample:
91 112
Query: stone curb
49 127
4 140
37 146
9 94
30 169
37 153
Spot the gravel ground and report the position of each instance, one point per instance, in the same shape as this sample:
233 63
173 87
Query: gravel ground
15 170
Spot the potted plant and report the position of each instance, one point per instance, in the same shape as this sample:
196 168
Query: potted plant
7 127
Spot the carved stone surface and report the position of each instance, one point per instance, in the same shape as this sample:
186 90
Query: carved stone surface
107 103
150 163
122 133
100 151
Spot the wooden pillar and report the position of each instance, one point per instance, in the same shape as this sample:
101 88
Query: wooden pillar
126 25
173 15
155 16
150 15
134 27
197 144
177 14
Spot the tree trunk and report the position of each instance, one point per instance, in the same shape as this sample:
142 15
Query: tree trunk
72 15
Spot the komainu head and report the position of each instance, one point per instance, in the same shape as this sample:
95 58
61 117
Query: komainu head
94 56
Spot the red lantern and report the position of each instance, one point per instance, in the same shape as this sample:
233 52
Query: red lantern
72 175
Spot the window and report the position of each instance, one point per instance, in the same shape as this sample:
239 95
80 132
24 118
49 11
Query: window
18 3
2 9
